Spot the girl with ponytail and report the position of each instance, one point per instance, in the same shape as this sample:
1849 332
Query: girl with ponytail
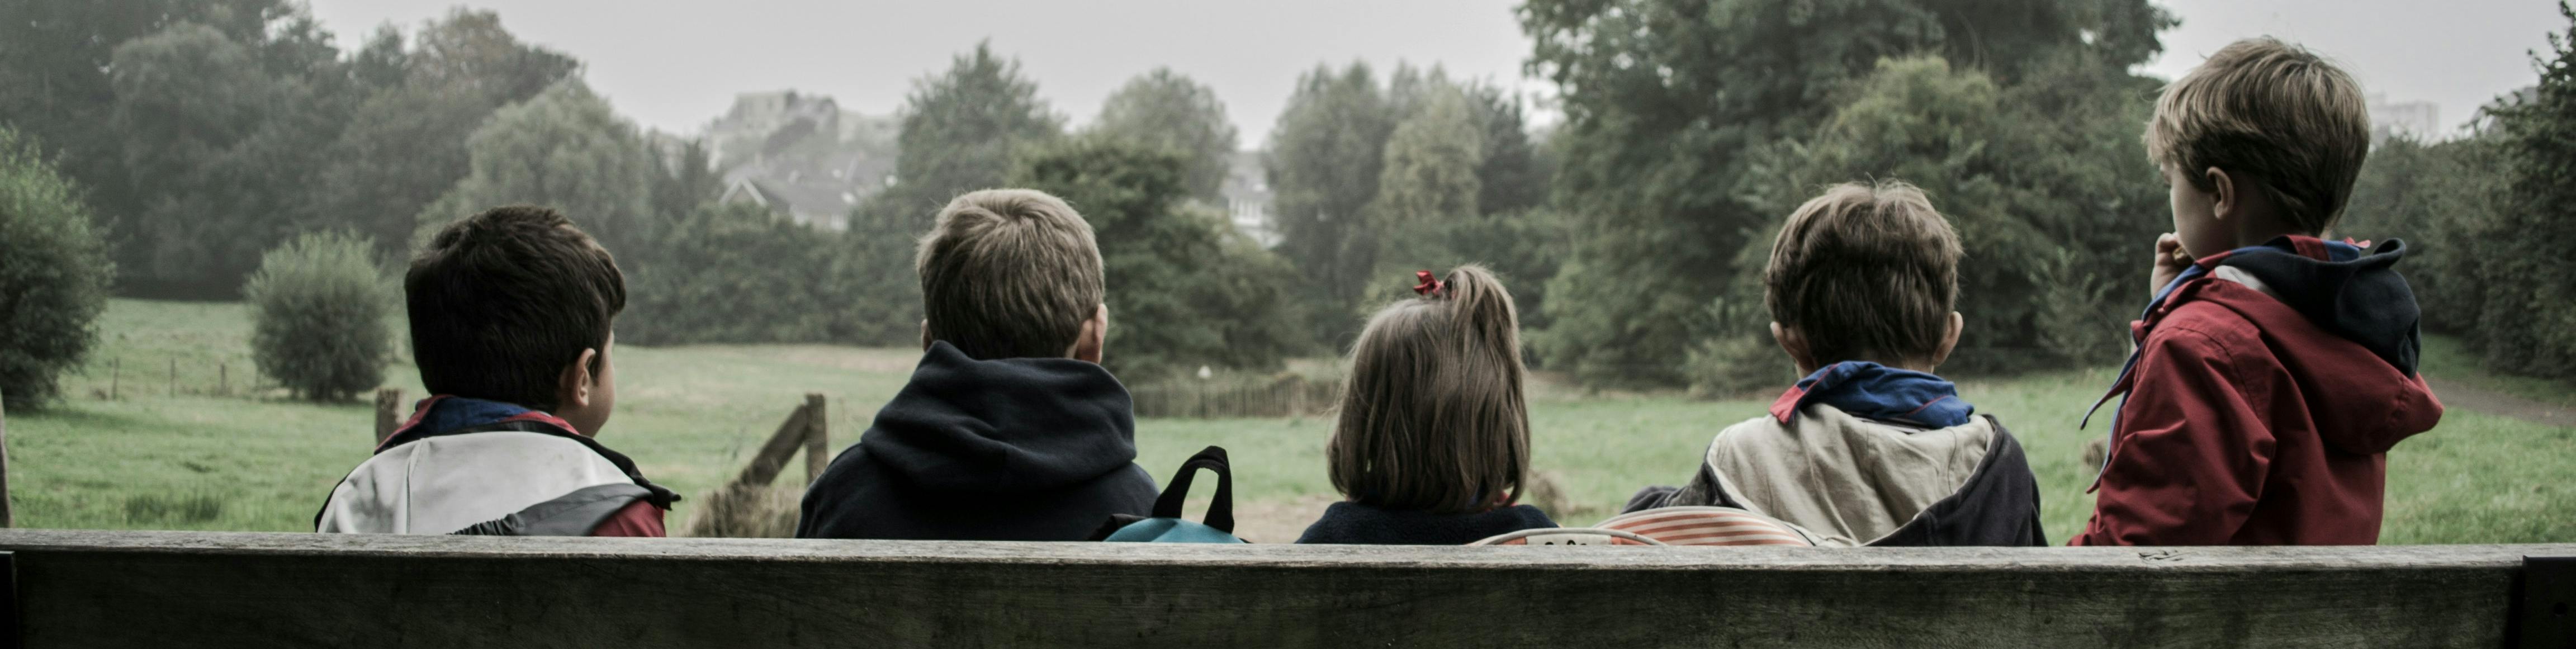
1432 442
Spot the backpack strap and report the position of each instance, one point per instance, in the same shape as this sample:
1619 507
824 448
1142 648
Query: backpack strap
1220 513
572 514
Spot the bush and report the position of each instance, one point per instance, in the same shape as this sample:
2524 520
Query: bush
319 306
53 275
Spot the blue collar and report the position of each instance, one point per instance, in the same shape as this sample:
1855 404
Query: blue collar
1873 391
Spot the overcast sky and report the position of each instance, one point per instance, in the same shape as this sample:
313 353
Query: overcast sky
674 65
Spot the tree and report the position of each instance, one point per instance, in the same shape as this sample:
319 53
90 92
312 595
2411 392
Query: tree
736 274
1326 158
1164 109
55 66
54 275
1184 288
962 129
1666 101
1514 173
2526 324
564 149
318 306
405 144
1427 183
220 136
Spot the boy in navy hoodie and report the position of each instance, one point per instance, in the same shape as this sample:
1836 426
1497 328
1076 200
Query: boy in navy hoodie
2274 369
1009 430
510 313
1871 448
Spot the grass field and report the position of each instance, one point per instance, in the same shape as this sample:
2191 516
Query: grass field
185 455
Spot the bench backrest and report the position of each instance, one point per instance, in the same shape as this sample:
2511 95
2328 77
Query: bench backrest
116 589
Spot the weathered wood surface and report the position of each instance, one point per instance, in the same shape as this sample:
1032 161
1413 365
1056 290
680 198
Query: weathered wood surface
818 437
115 589
773 454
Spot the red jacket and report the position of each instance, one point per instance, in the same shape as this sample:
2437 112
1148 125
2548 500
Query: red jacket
2262 400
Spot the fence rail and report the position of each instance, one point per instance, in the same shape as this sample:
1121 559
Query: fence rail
115 589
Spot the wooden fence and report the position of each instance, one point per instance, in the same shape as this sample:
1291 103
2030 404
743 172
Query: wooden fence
123 589
1285 395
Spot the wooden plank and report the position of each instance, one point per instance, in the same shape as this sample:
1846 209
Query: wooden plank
107 589
389 412
773 455
818 436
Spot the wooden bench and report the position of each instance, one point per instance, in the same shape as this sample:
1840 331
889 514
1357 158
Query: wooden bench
123 589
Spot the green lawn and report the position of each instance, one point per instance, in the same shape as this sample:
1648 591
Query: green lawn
689 415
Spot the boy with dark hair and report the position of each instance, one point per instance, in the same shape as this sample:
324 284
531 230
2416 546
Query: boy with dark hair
1870 448
510 316
1009 430
2274 369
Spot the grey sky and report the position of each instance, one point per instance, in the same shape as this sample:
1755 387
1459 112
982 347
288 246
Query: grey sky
673 65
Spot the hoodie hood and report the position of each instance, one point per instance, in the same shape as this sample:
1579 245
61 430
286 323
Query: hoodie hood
2337 317
1003 426
2339 288
2316 302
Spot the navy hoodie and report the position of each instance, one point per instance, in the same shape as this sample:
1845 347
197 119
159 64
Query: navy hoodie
1019 449
1354 523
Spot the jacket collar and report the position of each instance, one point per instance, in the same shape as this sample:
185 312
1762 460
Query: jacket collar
1873 391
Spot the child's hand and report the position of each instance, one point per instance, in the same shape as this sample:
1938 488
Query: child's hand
2171 260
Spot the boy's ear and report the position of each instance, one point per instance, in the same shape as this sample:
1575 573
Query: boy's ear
1949 341
925 334
1796 345
1095 337
573 389
2223 194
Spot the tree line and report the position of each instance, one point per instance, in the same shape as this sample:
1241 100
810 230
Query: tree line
190 137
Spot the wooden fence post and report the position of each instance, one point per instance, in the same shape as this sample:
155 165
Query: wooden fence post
174 377
773 455
388 412
818 434
6 519
115 371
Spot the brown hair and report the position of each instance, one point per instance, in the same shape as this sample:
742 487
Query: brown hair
1865 272
1432 416
500 302
2274 112
1009 273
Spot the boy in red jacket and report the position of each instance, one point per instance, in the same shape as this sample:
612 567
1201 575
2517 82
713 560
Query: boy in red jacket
2274 369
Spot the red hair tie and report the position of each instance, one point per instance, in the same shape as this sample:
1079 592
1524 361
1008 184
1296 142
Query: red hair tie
1429 286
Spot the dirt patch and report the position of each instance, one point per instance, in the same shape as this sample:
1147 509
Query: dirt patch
2459 395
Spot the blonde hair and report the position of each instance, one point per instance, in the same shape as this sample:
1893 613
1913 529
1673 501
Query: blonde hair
1865 272
1009 273
1432 414
2275 112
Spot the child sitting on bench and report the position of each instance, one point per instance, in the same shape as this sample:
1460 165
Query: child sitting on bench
1871 448
510 313
1432 447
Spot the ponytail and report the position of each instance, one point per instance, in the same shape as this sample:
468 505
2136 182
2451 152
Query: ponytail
1487 321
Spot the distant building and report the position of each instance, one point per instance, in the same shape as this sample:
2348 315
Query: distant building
801 155
1247 196
2418 119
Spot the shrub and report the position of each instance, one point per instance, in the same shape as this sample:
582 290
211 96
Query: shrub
319 305
53 275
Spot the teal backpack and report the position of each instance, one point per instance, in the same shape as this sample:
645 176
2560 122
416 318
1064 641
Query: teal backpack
1167 526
